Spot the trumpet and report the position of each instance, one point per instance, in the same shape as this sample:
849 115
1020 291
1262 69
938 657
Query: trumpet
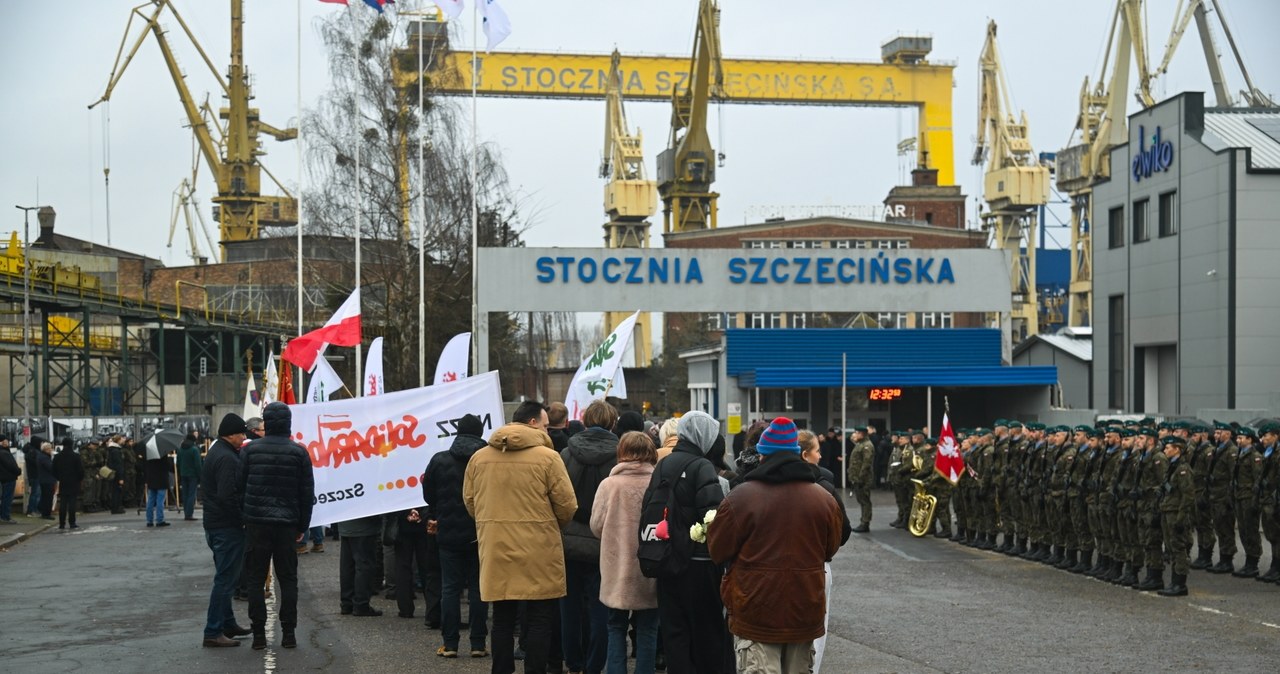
920 522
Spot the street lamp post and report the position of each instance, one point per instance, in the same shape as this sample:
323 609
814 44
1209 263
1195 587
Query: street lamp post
26 319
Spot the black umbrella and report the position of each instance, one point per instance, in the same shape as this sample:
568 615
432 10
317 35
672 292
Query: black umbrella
163 443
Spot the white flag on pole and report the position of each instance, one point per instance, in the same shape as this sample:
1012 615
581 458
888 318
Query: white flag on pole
324 382
451 8
270 384
591 381
452 365
619 388
496 24
373 383
251 407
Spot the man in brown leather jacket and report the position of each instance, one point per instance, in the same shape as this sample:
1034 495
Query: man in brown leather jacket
774 532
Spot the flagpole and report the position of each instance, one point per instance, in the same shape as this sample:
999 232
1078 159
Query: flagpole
422 229
301 178
928 421
844 419
356 102
475 207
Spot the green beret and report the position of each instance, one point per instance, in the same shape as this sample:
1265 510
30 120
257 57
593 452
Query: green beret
1000 422
1036 426
1269 427
1084 429
1176 441
1149 432
1015 424
1246 431
1126 433
1221 426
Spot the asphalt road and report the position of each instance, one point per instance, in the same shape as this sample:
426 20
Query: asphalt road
118 597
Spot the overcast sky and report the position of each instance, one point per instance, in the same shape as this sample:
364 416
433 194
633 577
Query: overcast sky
58 56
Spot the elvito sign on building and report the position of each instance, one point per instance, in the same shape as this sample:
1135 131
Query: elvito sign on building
1154 159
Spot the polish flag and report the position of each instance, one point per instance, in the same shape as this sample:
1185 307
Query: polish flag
343 329
948 461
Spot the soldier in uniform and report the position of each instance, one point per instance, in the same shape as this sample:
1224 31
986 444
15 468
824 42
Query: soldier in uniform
895 477
90 491
1060 505
999 462
1248 470
1221 491
937 486
985 466
130 474
964 489
1176 514
1152 473
1126 491
1200 458
1080 545
1032 491
1014 516
1090 478
861 460
1268 485
1110 565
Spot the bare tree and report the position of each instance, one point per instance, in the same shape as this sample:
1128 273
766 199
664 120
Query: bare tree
367 131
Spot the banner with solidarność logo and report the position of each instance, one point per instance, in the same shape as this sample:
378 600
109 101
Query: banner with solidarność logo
368 454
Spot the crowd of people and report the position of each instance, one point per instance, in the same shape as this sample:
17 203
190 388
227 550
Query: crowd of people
1107 501
96 475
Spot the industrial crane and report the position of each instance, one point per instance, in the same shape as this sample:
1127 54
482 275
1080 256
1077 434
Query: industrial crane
233 156
687 168
1015 185
1102 124
629 196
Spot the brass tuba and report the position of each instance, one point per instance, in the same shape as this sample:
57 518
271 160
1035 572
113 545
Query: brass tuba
920 522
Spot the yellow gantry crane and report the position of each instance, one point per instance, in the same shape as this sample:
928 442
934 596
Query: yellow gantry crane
629 196
1015 185
687 168
233 155
1103 122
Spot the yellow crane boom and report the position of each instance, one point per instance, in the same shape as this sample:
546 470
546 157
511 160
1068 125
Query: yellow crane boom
629 196
233 156
1014 187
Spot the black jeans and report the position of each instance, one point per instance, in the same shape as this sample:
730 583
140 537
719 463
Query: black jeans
356 567
537 640
46 500
67 504
694 634
266 547
417 550
117 497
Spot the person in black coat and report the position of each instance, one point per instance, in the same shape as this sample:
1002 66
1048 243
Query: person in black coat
156 473
31 469
223 530
277 489
9 473
454 532
44 459
68 469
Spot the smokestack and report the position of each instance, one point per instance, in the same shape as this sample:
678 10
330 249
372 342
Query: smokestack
46 216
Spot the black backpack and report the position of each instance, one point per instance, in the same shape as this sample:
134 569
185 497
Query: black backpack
664 557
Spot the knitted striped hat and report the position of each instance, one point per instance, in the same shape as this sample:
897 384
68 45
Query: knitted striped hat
780 436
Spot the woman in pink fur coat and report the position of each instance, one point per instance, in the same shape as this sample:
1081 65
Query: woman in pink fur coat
615 518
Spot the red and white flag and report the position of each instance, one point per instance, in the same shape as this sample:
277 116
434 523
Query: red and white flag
948 461
373 382
343 329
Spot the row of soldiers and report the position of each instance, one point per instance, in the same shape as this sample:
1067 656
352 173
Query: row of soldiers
1133 494
96 490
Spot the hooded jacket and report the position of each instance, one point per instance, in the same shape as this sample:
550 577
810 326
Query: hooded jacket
695 493
276 481
588 459
775 532
9 471
442 490
518 491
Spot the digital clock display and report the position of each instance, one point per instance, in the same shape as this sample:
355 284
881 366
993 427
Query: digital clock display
886 393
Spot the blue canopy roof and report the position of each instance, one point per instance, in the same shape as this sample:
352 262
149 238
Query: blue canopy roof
801 358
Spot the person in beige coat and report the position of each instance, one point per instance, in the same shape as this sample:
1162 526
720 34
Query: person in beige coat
518 491
615 519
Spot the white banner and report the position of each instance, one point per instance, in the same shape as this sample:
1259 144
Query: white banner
373 382
592 380
369 454
270 385
324 382
452 365
251 406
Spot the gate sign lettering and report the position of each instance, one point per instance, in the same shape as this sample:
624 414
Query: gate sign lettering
1154 159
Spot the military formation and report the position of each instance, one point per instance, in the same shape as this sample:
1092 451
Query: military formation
1109 501
120 483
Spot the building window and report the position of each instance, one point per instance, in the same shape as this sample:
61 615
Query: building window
757 320
892 320
862 244
884 243
1141 225
1115 352
902 243
928 218
804 244
940 319
843 244
777 244
775 320
800 320
755 244
1168 215
1115 227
